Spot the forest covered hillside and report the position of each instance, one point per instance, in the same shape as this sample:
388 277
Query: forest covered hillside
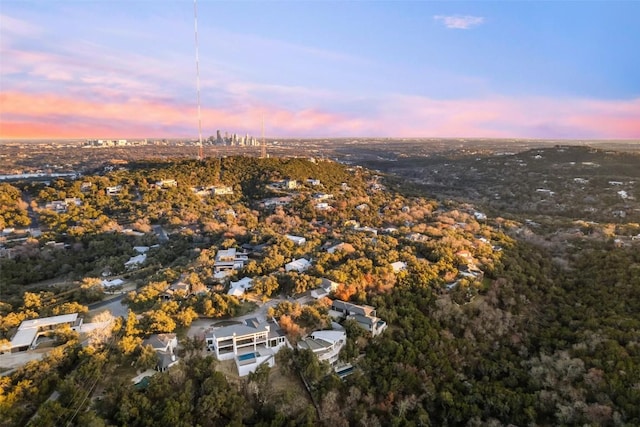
490 321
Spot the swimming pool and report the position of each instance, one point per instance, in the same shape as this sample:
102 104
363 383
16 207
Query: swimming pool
243 357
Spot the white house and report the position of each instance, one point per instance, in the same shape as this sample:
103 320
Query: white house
240 287
29 330
326 345
221 190
111 283
135 261
398 266
250 345
296 239
63 205
229 259
113 191
299 265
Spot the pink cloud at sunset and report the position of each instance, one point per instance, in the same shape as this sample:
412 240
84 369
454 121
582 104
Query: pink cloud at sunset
26 115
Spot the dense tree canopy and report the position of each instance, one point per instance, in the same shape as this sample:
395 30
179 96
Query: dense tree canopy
483 328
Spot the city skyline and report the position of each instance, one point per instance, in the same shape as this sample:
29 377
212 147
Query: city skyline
321 69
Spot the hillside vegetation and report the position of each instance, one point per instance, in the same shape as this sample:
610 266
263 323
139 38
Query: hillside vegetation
541 337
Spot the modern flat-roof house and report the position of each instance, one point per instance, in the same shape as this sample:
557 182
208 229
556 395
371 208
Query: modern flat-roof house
299 265
250 344
318 197
326 345
29 330
113 191
365 315
398 266
298 240
221 190
63 205
229 259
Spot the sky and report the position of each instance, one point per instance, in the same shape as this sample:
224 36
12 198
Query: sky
97 69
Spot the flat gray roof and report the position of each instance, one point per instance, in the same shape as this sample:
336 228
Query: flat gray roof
28 329
48 321
238 330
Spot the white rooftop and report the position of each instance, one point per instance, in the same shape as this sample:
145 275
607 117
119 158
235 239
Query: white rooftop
139 259
300 265
48 321
110 283
298 240
398 266
329 336
28 329
238 288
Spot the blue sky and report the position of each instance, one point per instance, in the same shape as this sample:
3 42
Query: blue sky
101 69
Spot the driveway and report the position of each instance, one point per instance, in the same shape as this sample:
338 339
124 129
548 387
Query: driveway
199 327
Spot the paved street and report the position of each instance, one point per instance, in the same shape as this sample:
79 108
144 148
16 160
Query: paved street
114 305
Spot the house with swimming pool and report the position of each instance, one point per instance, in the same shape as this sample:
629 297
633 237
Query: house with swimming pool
250 344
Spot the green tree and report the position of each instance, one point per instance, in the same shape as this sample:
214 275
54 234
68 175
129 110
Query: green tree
157 322
148 358
265 285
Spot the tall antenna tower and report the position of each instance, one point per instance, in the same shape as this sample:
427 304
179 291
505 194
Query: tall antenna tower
263 147
195 18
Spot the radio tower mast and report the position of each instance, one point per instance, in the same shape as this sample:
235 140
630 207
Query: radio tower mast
195 18
263 147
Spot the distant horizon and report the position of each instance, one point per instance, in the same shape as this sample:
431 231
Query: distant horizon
339 69
320 138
